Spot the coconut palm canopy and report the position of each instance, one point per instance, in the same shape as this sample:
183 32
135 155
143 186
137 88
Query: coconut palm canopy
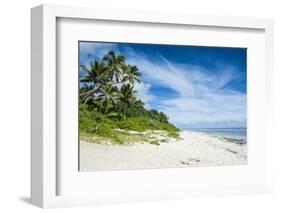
107 86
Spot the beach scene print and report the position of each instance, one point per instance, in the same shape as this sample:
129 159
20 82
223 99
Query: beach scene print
151 106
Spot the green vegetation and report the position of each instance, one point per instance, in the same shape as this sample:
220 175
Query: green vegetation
109 108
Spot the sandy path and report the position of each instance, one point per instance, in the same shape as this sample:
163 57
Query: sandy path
195 149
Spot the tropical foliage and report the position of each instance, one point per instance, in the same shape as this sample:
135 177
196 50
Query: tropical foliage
108 100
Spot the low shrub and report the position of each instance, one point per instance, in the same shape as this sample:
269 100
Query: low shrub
92 123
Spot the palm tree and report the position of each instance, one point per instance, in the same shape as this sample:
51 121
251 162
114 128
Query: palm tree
125 96
107 81
86 98
132 74
95 74
114 63
95 77
107 96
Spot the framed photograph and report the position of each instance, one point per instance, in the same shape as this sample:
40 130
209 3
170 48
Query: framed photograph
130 106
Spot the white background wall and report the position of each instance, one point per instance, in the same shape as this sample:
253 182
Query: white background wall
15 98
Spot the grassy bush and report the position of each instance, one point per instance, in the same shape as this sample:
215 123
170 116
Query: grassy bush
92 123
144 123
155 142
135 123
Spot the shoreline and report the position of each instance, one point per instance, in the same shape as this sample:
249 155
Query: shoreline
193 149
227 138
226 133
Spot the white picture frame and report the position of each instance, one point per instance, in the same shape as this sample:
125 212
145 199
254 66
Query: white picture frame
45 168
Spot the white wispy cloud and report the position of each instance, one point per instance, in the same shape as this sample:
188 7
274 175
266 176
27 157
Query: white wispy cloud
95 48
144 94
90 50
202 98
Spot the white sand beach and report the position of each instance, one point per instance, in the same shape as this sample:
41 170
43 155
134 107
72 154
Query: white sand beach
194 149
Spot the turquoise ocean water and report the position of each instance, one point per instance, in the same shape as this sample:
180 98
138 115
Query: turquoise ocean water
234 133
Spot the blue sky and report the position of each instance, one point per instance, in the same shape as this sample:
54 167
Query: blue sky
197 87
